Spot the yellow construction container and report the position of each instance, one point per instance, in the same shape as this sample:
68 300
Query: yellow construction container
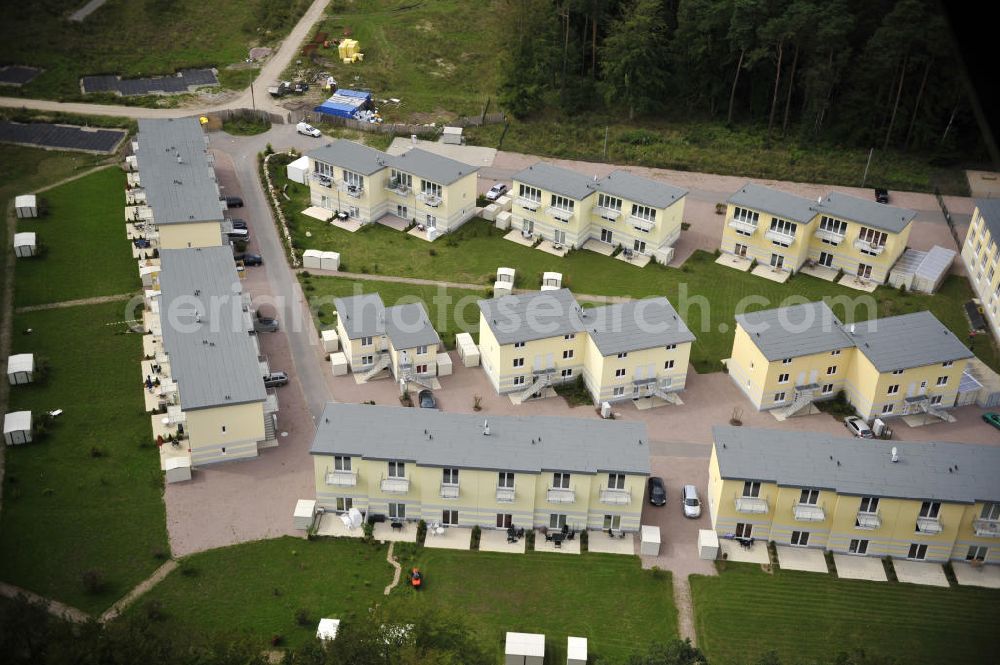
347 49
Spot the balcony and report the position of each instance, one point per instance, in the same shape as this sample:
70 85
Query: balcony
354 191
400 188
641 224
561 214
430 199
322 180
868 247
808 512
528 204
449 491
609 214
751 504
342 478
741 225
987 528
779 236
836 237
560 495
865 520
615 497
505 494
929 525
395 485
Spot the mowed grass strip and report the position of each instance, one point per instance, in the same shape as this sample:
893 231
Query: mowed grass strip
88 496
810 617
85 252
254 590
606 598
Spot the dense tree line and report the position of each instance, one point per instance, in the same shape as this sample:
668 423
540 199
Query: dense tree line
869 72
31 636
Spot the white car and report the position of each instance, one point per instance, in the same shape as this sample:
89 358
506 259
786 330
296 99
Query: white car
690 501
858 427
307 129
496 191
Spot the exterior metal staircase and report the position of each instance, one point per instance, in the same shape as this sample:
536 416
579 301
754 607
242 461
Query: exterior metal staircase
671 397
804 397
381 364
541 381
407 375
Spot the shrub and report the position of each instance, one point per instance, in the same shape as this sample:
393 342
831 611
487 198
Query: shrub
96 452
188 570
93 581
584 541
477 402
432 251
477 534
277 640
421 532
154 610
369 530
160 554
302 617
529 540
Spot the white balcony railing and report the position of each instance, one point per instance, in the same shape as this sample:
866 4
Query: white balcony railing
832 236
780 236
609 214
560 495
395 485
449 491
561 214
987 528
340 478
740 225
869 247
866 520
323 180
505 494
400 188
641 224
528 204
929 525
429 198
808 512
615 497
751 504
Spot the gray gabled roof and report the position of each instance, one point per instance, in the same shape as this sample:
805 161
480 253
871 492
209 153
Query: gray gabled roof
957 472
643 191
213 358
796 330
772 201
635 325
989 210
361 316
408 326
427 165
556 180
178 192
530 316
869 213
524 444
350 155
908 340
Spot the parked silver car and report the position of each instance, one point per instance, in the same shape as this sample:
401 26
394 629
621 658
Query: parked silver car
690 501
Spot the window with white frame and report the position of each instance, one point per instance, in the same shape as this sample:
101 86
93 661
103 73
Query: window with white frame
930 509
620 372
449 517
569 336
990 511
783 378
613 522
557 521
942 380
530 193
783 226
518 362
618 391
897 371
623 354
609 202
644 212
858 546
888 408
746 216
322 168
948 363
400 178
976 553
835 352
786 361
518 345
449 476
670 347
352 179
421 350
341 463
344 503
869 504
366 341
518 380
834 226
872 237
893 389
616 481
562 203
567 354
430 188
800 538
397 469
751 489
668 364
779 397
809 497
397 511
832 369
367 360
505 479
936 399
560 481
827 388
566 373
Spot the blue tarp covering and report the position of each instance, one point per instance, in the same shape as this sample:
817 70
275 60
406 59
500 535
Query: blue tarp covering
345 103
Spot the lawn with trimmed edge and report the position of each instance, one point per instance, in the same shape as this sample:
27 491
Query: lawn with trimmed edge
88 496
84 249
255 589
609 599
809 617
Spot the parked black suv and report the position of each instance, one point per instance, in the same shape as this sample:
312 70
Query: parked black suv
249 259
881 194
233 202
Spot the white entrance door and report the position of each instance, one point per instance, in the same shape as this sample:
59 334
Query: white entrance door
777 261
639 247
401 211
864 271
559 237
431 222
606 236
825 259
527 225
741 250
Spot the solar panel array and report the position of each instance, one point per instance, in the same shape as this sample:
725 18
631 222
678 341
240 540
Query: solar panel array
180 82
63 137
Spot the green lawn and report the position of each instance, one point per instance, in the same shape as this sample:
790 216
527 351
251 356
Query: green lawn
809 617
133 38
255 589
85 252
705 294
441 303
89 495
606 598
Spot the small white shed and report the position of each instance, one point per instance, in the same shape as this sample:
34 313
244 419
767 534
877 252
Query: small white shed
576 651
504 283
17 428
149 274
26 205
524 649
467 350
297 170
551 281
650 542
305 510
312 258
329 261
177 469
708 544
327 629
451 135
503 220
921 271
490 212
338 363
331 341
444 364
25 244
504 203
21 369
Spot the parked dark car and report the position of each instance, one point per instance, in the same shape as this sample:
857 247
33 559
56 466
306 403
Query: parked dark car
275 379
249 259
265 324
233 202
425 398
881 194
238 223
992 419
657 491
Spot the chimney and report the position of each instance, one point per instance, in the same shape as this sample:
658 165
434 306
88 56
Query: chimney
895 455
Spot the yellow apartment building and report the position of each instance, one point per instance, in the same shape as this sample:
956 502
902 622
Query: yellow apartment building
176 195
641 215
435 192
787 358
221 406
981 254
839 232
465 470
637 350
398 339
921 501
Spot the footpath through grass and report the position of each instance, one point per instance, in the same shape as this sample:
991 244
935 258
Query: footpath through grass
89 495
810 617
84 250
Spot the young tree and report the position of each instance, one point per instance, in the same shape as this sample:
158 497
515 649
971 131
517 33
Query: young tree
743 39
634 58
